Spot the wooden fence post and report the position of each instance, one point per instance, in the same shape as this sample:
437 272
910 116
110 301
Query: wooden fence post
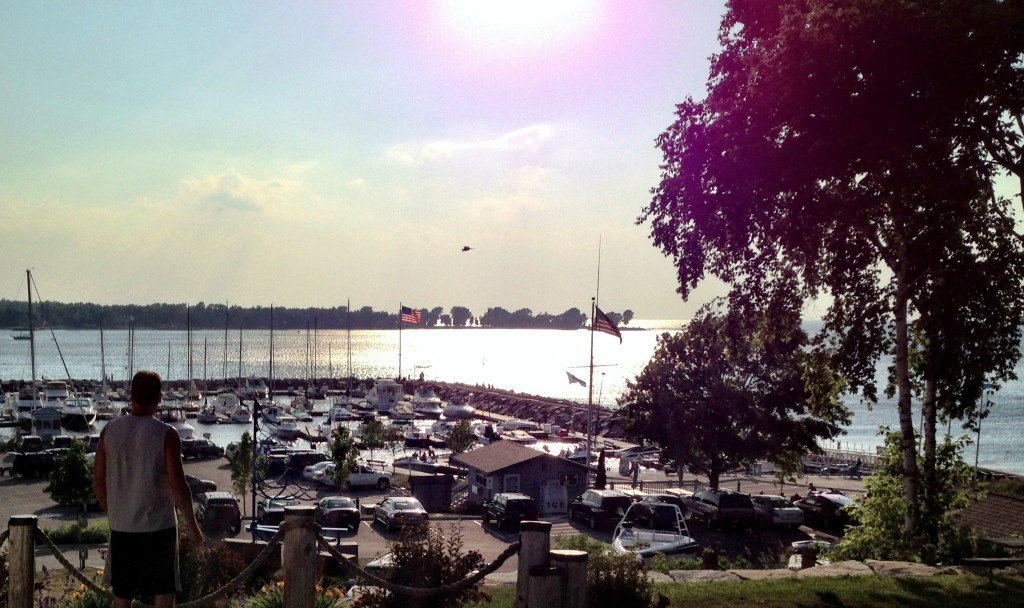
545 587
299 557
21 547
573 565
535 544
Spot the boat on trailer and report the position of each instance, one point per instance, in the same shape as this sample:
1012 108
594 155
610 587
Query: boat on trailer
664 531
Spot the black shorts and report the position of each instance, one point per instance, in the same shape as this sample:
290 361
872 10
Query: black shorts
143 564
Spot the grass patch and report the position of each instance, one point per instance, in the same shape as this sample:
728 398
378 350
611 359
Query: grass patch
95 533
966 591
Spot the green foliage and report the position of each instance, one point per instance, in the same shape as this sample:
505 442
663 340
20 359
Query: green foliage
272 596
71 482
461 437
376 435
71 533
8 445
613 580
728 390
666 563
206 567
879 531
87 598
428 560
241 463
343 454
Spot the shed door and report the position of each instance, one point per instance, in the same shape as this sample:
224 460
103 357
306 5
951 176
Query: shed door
554 498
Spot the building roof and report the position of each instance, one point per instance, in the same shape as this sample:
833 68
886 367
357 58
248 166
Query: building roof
500 455
996 517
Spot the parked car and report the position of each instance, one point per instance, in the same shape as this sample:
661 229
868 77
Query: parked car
721 508
270 511
400 511
200 448
509 508
337 512
599 508
672 499
366 476
315 472
776 511
297 461
199 486
656 515
826 510
29 443
218 514
35 464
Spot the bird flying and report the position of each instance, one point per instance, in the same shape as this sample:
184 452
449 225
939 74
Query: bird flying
466 248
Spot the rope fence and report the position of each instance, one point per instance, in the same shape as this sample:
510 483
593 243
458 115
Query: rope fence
245 575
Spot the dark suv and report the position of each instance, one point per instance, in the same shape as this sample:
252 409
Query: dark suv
719 508
599 508
509 508
200 448
36 464
218 514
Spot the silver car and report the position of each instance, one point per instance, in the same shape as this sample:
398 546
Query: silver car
400 511
776 511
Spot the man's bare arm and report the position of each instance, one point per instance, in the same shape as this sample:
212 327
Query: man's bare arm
179 488
99 474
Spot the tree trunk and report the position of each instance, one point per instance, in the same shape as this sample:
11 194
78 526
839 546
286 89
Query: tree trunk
907 447
928 415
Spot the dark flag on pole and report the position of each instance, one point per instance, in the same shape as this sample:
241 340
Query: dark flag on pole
410 316
574 379
603 324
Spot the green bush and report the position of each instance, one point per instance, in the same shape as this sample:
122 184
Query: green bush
72 534
272 596
71 482
428 560
206 567
613 580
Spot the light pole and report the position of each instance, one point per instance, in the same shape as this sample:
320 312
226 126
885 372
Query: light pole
986 403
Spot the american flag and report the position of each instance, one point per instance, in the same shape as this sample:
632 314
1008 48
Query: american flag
604 324
574 380
411 316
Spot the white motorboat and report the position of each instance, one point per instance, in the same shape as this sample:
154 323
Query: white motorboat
208 415
55 391
385 394
77 413
426 403
484 433
415 438
241 415
185 430
287 427
226 403
272 414
320 408
301 415
170 412
459 410
340 413
520 437
649 528
402 411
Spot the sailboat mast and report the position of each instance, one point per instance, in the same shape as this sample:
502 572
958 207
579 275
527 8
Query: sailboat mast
271 353
224 372
348 314
188 338
590 385
239 356
400 307
103 364
31 326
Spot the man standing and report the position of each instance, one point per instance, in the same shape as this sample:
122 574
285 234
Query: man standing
139 480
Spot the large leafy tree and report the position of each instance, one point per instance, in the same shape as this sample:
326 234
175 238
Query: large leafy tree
835 140
729 390
241 463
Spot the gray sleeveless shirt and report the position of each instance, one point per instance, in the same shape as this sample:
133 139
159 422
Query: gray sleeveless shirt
139 498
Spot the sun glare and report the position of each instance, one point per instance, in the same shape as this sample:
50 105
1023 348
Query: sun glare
524 24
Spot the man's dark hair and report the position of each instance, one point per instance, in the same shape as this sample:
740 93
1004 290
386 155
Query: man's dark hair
146 386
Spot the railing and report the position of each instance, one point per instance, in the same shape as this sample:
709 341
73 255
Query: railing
546 579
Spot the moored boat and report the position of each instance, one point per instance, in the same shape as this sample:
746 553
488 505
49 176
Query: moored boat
77 413
649 528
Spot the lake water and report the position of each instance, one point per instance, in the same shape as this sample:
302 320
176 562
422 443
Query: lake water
529 361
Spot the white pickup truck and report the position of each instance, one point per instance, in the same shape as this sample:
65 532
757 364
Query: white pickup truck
366 476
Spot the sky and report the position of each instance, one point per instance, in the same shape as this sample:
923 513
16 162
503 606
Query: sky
302 154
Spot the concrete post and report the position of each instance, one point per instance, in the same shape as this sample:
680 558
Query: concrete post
21 546
299 558
535 539
573 565
545 587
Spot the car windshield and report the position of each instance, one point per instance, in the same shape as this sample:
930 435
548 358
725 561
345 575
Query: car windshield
840 500
340 503
407 504
613 503
779 502
283 502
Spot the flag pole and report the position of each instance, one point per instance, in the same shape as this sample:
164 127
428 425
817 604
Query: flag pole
400 306
590 384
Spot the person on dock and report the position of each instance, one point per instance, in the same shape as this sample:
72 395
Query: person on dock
139 481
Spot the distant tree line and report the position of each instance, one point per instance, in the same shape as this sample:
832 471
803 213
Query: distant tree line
80 315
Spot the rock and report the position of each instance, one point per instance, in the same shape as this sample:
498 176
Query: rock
701 576
658 577
890 568
763 575
847 568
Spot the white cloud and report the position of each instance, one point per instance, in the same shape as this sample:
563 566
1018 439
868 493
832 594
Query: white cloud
527 140
358 183
233 191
